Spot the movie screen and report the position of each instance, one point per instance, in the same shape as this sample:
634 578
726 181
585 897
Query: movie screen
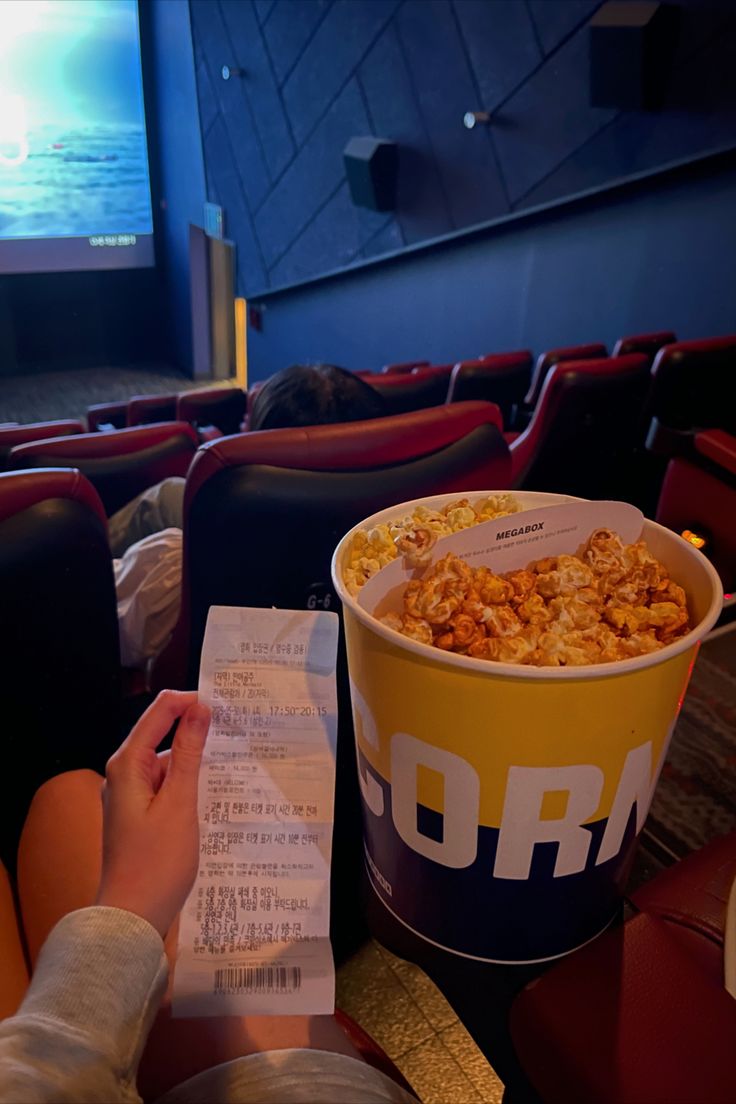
74 183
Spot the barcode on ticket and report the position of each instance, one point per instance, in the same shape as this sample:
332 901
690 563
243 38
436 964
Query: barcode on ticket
258 979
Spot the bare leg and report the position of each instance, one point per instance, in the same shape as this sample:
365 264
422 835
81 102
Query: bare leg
60 853
59 862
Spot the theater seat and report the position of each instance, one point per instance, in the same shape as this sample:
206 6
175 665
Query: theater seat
265 510
545 362
584 430
402 369
15 434
148 409
699 495
649 343
263 513
107 414
693 388
641 1016
59 653
121 463
502 378
223 407
421 388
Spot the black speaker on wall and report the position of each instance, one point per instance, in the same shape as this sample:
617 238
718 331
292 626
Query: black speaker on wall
371 166
632 43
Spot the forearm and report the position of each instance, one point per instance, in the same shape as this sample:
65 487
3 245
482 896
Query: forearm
79 1033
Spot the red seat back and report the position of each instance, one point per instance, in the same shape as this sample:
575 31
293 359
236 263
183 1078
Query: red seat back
113 414
148 409
693 387
223 407
299 490
649 343
547 361
699 494
59 655
14 435
582 435
502 378
421 388
121 463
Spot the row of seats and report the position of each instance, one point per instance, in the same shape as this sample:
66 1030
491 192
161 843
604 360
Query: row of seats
223 407
506 379
579 441
686 377
590 419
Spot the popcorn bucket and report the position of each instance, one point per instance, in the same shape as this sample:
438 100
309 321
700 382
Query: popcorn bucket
502 803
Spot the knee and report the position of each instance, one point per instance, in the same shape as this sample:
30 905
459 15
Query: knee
75 787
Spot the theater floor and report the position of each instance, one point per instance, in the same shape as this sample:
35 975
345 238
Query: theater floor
396 1003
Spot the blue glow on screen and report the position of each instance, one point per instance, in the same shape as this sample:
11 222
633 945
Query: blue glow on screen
73 158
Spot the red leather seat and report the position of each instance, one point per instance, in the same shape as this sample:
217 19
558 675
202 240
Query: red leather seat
403 368
649 343
109 414
640 1016
223 407
584 429
14 435
121 463
547 361
693 388
59 653
148 409
421 388
502 378
699 494
263 513
301 489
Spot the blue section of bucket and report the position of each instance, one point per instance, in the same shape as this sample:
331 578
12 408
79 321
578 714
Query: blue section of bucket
470 912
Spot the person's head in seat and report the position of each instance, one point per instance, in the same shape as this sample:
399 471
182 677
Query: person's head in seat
314 394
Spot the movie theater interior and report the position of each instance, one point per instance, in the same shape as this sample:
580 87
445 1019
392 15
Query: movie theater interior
368 551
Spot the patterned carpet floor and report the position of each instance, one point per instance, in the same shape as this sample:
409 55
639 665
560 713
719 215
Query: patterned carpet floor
695 799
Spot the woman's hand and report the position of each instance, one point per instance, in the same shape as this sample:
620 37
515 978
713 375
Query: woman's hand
150 829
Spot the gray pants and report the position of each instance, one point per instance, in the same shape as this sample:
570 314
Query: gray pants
160 507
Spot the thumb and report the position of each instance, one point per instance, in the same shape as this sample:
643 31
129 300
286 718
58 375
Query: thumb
186 754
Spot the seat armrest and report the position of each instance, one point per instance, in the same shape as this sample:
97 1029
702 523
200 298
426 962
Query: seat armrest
718 446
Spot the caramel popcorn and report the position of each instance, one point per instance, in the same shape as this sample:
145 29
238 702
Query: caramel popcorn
610 602
415 535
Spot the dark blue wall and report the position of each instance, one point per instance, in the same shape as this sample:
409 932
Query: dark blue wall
657 255
177 155
317 72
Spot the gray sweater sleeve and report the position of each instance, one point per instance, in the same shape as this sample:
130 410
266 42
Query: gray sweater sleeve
80 1030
